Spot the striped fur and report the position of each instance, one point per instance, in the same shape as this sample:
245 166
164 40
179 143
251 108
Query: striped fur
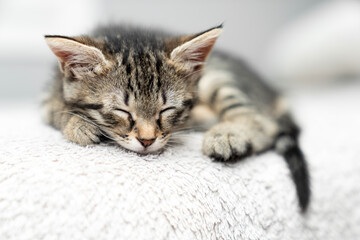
136 87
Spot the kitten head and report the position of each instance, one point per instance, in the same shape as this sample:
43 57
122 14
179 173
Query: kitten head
137 86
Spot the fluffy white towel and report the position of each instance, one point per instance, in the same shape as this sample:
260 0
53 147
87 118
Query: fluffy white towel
53 189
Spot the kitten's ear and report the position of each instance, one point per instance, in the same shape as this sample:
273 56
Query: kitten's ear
77 58
191 52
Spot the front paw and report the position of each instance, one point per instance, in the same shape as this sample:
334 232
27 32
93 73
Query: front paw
230 141
81 132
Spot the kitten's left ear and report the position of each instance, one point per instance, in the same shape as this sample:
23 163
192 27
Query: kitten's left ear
77 58
193 50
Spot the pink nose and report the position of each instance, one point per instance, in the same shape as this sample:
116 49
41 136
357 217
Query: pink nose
146 142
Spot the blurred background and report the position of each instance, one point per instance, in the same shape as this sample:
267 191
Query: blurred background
291 43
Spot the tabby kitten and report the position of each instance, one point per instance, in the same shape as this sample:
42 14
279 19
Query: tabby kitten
137 86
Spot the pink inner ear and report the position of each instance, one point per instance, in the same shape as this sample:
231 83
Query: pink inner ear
192 54
77 58
66 57
63 55
200 54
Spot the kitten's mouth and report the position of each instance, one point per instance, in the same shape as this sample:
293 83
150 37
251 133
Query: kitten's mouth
134 146
153 152
145 151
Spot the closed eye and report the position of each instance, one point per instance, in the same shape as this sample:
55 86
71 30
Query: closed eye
165 113
167 109
122 113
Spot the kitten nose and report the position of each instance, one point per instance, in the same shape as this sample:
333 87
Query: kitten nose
146 142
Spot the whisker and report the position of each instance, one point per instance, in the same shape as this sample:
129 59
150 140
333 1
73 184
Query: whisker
83 118
181 136
183 132
107 136
89 121
182 129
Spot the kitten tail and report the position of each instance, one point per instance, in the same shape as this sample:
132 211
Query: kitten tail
287 145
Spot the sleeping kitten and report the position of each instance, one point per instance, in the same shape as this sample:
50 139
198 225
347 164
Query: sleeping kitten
137 87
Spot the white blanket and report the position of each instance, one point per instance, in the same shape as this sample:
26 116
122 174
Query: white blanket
53 189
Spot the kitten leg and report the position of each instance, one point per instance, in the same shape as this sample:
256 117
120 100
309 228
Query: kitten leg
239 136
76 128
242 129
79 131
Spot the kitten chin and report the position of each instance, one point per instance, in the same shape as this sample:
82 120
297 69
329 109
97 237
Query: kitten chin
134 146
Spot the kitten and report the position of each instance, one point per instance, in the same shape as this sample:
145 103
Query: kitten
137 86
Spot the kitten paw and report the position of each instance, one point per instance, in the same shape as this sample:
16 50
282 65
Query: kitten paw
229 141
81 132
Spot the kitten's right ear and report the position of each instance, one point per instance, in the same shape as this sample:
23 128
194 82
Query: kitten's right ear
77 58
190 52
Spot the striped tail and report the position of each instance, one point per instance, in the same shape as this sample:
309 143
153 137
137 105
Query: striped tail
287 145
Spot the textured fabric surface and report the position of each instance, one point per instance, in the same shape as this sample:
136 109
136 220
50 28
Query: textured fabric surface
53 189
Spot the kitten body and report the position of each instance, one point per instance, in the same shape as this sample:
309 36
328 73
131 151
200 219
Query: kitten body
137 87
